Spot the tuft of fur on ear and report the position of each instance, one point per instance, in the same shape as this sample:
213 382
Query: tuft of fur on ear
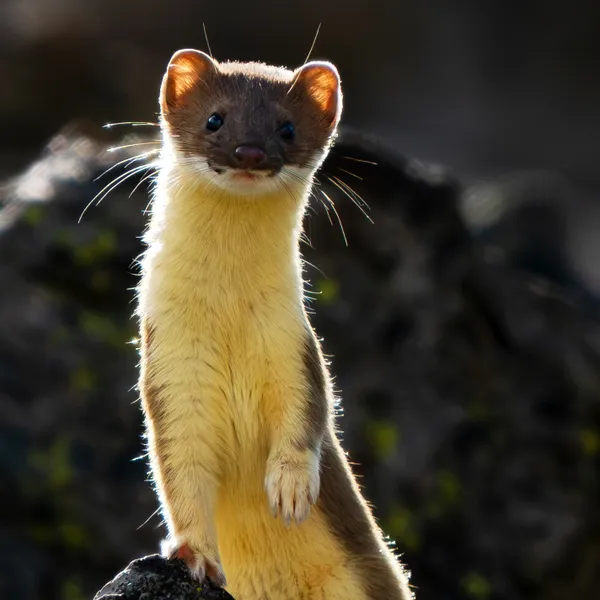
321 81
186 69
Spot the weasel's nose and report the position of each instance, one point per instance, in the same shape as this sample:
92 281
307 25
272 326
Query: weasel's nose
250 157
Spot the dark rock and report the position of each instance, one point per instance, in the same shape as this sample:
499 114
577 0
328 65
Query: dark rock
155 578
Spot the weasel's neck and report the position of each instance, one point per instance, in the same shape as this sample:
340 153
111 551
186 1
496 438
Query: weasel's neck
244 244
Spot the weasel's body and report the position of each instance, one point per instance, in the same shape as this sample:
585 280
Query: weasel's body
237 397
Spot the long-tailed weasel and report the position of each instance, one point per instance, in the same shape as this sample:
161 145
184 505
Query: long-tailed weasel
254 486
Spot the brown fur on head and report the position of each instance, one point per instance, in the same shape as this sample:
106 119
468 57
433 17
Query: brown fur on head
255 105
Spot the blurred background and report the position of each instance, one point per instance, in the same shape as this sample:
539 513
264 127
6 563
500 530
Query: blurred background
463 323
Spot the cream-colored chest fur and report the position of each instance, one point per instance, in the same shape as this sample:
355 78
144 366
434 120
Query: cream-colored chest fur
224 298
222 349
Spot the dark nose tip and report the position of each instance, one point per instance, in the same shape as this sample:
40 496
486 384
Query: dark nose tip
250 157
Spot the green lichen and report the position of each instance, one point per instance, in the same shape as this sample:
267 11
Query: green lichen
402 526
82 379
59 335
102 246
34 215
328 291
66 533
84 255
590 440
476 586
72 589
73 535
65 237
42 534
100 281
101 327
61 472
106 243
383 437
55 464
446 496
449 486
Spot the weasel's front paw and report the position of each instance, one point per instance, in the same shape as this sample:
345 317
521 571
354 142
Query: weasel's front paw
292 485
201 563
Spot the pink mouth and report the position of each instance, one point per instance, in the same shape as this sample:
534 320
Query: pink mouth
245 176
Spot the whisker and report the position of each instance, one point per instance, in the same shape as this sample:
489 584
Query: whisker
360 160
129 161
313 195
306 240
305 181
326 209
147 207
361 201
124 177
280 181
314 267
312 192
349 192
310 206
131 124
117 148
149 518
312 47
206 38
287 188
113 185
137 185
350 173
337 215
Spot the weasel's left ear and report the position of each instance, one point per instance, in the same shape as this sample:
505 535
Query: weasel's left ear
187 68
322 82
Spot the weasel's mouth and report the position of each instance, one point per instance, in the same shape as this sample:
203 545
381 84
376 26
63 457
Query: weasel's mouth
244 182
244 174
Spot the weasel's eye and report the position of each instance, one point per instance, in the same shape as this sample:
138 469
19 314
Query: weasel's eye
287 131
215 121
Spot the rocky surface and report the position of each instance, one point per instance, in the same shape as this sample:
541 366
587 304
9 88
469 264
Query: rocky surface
470 382
154 578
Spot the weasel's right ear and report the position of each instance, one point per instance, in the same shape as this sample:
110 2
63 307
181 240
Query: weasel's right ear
186 69
321 81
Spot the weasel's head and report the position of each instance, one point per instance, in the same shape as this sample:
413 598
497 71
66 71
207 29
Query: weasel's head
248 128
